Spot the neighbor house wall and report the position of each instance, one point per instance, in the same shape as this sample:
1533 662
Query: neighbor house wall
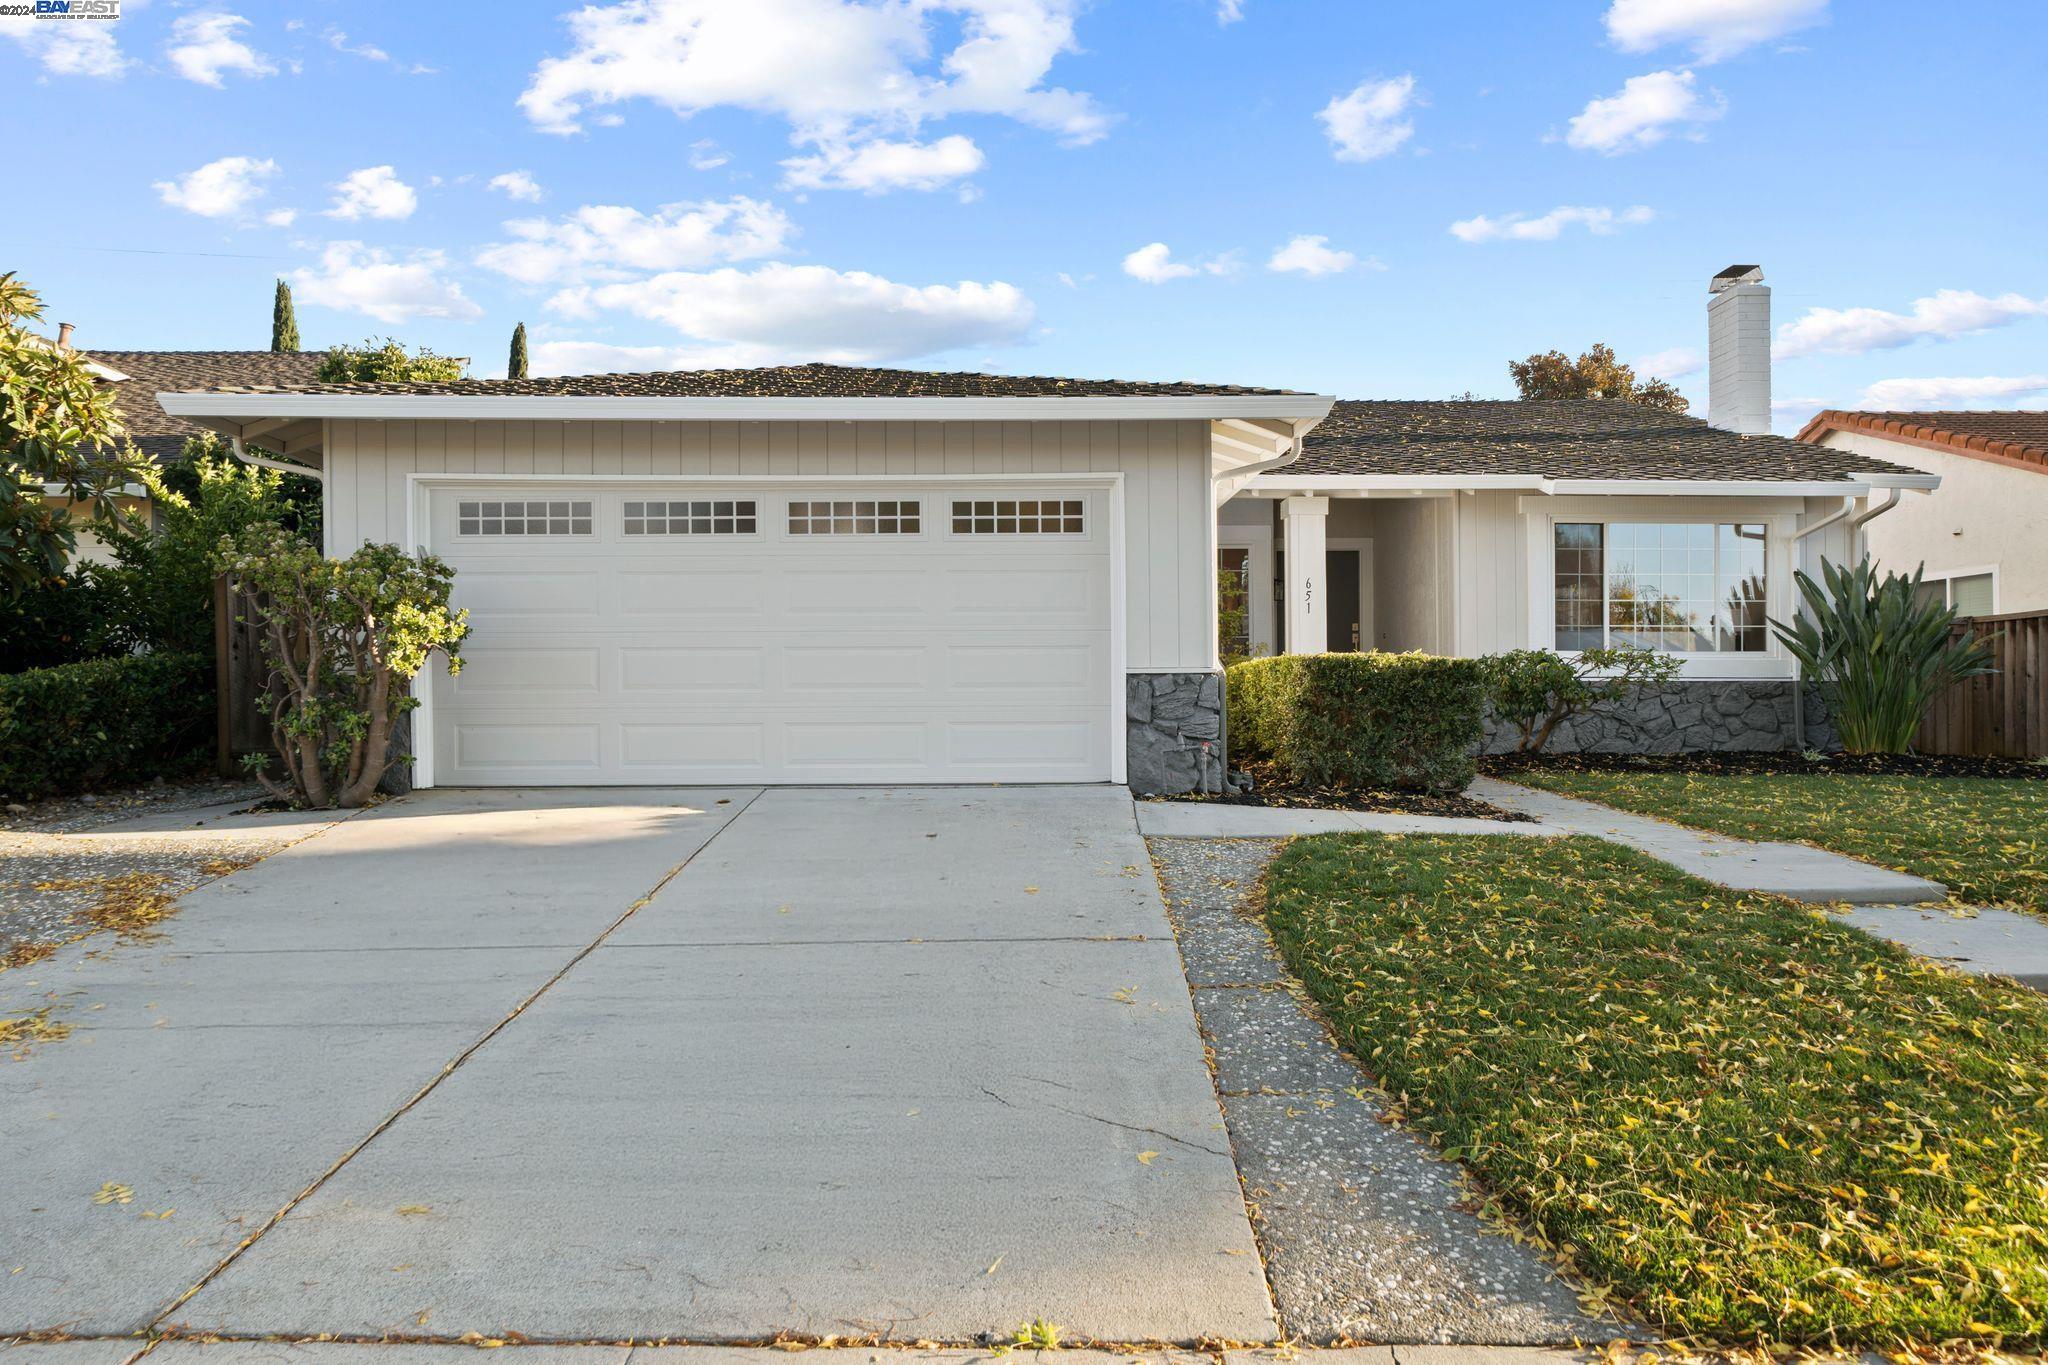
1985 515
1169 541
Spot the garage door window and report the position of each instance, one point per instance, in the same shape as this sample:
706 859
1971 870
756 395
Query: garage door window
717 517
1022 517
561 518
854 518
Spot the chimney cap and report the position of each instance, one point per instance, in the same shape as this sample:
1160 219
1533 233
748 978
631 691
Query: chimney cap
1734 275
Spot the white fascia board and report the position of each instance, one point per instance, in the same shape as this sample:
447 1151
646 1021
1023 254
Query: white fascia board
1534 483
242 407
1925 483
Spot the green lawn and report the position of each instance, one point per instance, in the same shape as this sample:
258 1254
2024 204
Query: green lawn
1986 839
1746 1122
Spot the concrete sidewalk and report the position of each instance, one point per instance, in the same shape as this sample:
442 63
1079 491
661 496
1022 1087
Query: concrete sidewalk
1981 942
1792 870
179 1352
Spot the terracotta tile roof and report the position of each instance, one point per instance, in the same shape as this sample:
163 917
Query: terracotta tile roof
1566 438
782 381
150 373
2005 437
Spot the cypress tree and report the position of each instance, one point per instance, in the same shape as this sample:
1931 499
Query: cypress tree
515 368
284 324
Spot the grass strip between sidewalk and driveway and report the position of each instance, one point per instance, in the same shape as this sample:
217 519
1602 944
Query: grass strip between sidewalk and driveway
1986 839
1745 1122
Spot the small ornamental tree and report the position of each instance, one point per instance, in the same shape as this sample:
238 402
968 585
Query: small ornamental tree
515 363
58 428
1537 690
1595 374
1883 649
284 322
342 639
386 362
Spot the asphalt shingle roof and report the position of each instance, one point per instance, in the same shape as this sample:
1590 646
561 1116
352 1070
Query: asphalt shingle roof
150 373
781 381
1565 438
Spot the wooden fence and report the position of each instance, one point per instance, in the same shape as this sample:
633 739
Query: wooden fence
240 677
2003 715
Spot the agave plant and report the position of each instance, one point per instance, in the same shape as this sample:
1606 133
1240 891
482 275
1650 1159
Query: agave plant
1884 650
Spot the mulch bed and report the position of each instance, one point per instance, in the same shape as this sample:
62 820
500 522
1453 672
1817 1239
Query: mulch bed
1862 765
1272 787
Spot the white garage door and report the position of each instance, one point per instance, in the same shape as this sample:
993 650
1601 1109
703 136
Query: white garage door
776 632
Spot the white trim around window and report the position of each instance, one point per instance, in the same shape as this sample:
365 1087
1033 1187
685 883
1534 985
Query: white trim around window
1540 532
1257 541
1947 578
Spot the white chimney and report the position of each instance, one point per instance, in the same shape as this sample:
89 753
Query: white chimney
1739 350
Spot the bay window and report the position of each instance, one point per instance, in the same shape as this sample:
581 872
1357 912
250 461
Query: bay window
1681 587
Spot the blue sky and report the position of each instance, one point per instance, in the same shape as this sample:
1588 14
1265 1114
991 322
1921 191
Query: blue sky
1102 189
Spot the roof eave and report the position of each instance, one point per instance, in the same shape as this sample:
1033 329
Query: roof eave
1851 486
237 407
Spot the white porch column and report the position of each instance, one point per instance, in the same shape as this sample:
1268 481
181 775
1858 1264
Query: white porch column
1308 630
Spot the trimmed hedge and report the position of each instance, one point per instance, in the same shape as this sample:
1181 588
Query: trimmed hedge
1361 720
104 722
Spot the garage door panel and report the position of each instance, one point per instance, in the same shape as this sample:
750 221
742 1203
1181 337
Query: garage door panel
732 668
681 658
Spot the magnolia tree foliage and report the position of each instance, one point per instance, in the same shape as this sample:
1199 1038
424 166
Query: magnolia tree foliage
387 362
1883 649
58 430
342 638
1595 374
1536 690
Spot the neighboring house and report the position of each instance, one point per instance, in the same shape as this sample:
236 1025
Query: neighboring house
823 574
1984 537
138 376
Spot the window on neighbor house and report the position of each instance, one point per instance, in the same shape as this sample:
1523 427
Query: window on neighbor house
1683 587
1234 602
1970 594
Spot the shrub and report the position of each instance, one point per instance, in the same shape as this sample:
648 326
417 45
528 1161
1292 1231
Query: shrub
341 638
1537 690
386 362
1360 720
104 721
59 621
1884 651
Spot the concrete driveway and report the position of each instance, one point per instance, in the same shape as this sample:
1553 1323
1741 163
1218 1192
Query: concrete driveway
708 1065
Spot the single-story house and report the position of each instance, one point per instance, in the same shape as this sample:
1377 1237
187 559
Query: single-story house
1982 538
136 377
824 574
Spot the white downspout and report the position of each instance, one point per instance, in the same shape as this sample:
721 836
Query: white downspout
281 466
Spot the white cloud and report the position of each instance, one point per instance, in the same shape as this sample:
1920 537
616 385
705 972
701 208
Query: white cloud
281 218
370 52
1714 28
881 164
519 185
706 155
570 356
841 73
1956 392
219 189
358 279
69 48
1154 264
373 192
1676 363
1945 313
205 45
1371 121
784 313
1306 255
1520 227
1229 11
1645 111
607 242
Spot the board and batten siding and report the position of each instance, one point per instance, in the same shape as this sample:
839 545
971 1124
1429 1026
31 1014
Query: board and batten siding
1170 527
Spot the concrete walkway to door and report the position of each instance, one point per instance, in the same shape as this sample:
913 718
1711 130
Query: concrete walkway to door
639 1064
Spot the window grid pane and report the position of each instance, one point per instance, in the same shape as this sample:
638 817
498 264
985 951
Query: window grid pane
561 517
1022 516
1685 587
856 517
694 517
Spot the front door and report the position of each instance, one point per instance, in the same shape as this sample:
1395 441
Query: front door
1340 577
